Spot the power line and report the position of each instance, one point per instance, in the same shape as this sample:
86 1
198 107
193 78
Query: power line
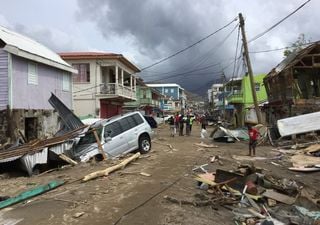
283 48
190 46
276 24
202 59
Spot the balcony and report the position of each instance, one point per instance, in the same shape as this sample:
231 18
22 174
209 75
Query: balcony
236 97
114 90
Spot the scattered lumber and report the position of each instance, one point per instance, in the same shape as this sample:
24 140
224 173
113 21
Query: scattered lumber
67 159
111 169
201 144
170 146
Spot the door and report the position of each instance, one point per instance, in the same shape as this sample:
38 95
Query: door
117 143
133 126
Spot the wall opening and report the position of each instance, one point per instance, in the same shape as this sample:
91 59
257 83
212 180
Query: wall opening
31 131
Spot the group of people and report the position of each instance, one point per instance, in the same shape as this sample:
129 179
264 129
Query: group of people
178 122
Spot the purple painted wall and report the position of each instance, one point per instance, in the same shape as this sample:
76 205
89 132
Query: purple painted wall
3 79
29 96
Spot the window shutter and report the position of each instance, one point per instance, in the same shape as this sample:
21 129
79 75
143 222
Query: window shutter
66 81
32 73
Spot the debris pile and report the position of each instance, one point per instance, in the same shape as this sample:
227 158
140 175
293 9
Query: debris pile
252 196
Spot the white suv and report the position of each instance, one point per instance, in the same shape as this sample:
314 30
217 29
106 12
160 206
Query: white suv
119 135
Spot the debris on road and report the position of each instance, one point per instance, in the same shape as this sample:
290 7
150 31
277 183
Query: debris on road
111 169
203 145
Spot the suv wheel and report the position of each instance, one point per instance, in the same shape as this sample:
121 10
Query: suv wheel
144 144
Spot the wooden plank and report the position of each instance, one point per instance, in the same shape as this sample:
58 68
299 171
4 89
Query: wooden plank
111 169
67 159
270 193
99 145
31 193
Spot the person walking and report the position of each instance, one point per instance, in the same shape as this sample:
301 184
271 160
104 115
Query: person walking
176 122
188 125
191 122
253 139
181 121
172 126
204 122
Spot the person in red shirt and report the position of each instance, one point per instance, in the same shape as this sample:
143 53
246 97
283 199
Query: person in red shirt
253 139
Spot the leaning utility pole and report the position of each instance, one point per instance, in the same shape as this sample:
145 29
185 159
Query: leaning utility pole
246 53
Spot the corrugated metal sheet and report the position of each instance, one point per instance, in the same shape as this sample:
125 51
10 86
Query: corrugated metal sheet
30 160
70 120
62 148
16 42
10 159
3 79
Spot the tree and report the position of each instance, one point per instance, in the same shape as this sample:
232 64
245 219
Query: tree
297 45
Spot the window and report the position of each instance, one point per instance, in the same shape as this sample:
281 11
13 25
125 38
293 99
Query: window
124 123
138 119
131 121
112 129
32 73
166 90
83 75
66 81
89 138
257 86
172 90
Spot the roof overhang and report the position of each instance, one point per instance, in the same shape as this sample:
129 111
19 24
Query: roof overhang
101 56
24 54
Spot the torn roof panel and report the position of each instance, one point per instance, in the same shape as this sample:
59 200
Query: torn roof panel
291 59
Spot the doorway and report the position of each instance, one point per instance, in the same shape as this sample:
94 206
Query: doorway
30 129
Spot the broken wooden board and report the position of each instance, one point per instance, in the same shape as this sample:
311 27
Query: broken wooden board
302 160
270 193
312 149
248 158
304 169
205 145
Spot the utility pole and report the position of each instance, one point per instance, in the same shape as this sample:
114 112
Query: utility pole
223 78
246 53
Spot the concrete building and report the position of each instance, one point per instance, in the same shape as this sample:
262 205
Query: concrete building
105 81
176 97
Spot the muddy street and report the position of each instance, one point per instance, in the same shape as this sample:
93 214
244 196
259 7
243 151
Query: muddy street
136 194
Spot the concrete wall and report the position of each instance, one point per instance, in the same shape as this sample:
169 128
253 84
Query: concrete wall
3 79
11 121
29 96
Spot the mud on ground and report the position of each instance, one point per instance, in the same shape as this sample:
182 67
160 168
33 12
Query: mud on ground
126 197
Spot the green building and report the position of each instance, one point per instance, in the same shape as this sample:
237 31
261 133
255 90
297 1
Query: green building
239 97
148 100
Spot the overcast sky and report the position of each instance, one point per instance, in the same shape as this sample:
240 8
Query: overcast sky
145 31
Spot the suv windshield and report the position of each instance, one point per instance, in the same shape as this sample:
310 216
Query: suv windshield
89 137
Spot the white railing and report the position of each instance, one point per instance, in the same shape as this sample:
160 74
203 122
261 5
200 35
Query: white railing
113 89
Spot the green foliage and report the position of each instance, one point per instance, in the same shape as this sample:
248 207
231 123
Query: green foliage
297 45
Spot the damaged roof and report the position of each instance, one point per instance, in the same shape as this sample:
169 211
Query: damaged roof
25 47
292 59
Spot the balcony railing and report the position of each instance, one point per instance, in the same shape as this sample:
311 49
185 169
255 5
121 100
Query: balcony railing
114 90
235 98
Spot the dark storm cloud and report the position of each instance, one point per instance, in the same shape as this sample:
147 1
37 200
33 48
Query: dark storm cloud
54 39
160 28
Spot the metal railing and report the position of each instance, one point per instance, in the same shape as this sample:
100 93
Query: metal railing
117 89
